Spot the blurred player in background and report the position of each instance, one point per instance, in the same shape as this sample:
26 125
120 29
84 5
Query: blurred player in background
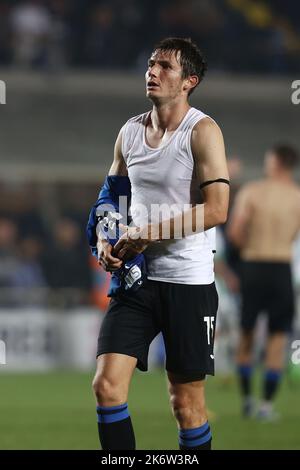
174 155
264 224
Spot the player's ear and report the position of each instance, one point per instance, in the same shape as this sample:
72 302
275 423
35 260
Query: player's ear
191 82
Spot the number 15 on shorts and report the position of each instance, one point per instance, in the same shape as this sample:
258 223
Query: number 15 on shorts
209 327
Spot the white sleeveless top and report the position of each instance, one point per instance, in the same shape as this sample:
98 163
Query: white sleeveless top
165 175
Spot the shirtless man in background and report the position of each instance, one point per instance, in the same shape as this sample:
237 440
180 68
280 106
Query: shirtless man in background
264 223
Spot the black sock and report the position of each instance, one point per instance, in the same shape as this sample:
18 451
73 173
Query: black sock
115 428
195 438
271 382
245 374
205 446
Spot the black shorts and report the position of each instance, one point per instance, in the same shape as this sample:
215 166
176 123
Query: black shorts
186 316
267 287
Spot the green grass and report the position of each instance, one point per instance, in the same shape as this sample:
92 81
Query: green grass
57 411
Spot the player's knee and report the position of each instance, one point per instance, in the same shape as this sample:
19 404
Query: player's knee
108 392
188 413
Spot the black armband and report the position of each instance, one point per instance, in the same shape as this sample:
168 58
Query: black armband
219 180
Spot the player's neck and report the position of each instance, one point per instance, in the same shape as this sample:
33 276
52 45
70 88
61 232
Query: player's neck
168 116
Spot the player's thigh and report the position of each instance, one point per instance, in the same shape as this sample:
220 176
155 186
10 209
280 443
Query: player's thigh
115 367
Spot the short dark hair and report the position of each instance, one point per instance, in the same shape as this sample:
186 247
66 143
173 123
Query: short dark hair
192 59
288 156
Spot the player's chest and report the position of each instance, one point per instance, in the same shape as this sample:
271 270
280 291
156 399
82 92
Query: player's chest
157 140
160 170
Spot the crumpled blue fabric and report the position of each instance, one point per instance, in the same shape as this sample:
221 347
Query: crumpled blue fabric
130 277
106 212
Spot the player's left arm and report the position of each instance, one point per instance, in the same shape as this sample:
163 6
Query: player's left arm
212 174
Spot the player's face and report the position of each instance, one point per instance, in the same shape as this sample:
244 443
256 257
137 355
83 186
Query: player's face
164 80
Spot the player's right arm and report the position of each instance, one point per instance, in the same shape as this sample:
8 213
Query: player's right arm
118 168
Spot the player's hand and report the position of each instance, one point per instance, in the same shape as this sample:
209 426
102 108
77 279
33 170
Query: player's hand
105 258
133 242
